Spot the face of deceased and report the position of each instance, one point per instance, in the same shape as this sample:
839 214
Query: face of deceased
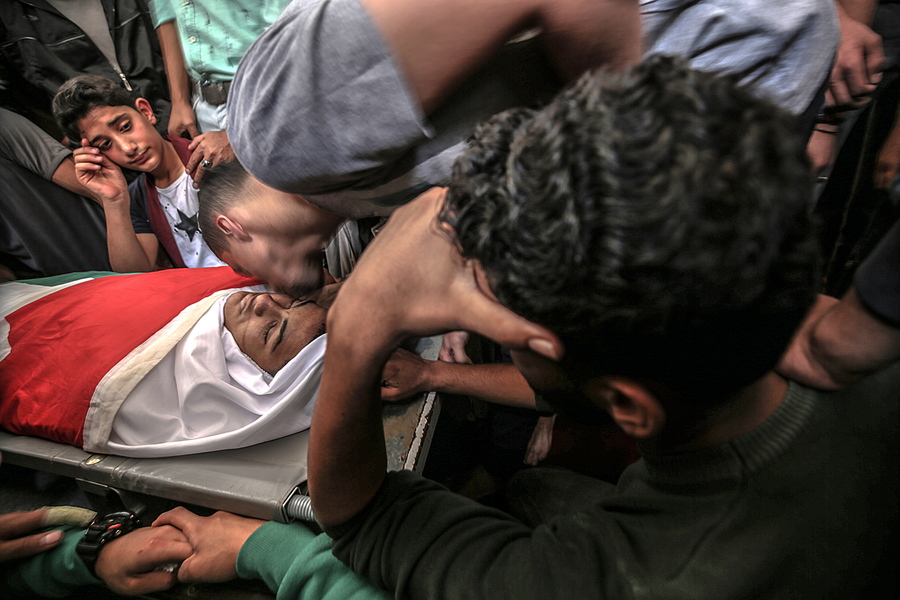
272 328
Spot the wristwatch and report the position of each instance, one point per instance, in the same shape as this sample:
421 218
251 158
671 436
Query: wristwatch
102 530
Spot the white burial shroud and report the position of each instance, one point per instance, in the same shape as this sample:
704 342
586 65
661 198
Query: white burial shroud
195 391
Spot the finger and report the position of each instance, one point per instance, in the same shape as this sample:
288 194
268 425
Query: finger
192 129
853 88
146 583
86 154
194 161
165 552
198 175
839 92
855 76
191 570
874 63
13 525
86 166
89 162
179 517
30 545
199 567
491 319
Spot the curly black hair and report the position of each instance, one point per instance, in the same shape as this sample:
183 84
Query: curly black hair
658 220
80 95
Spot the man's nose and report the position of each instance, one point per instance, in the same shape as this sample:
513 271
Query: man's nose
265 304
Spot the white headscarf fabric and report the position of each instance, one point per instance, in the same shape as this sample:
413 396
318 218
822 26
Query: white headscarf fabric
207 395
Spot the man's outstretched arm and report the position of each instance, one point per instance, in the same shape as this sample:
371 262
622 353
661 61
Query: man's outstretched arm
406 375
439 43
182 118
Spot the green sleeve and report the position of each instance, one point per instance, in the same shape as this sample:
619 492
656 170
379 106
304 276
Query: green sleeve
51 574
297 564
161 11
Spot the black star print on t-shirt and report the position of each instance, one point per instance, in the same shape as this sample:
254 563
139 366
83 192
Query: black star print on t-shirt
187 224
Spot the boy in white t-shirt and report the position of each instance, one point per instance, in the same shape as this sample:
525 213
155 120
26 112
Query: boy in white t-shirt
161 209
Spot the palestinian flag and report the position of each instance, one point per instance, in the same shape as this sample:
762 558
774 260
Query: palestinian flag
69 347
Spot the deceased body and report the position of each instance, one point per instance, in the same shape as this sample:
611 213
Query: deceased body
157 364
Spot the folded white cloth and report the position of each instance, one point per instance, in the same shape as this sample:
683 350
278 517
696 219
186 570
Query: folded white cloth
207 395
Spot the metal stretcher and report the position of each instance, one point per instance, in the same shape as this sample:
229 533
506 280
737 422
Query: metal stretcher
266 481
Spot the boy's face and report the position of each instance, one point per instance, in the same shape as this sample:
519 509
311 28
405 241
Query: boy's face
126 135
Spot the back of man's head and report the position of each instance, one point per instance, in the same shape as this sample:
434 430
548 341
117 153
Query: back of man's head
658 221
80 95
224 186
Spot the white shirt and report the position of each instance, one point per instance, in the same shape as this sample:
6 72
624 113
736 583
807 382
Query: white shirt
180 205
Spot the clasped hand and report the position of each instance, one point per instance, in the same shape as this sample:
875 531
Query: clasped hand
206 548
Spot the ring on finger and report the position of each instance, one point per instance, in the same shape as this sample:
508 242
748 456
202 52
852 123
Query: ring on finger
205 164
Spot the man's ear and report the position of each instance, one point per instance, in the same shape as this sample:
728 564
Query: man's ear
145 109
232 228
631 405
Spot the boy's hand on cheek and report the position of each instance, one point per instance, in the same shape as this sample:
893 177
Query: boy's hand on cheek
100 175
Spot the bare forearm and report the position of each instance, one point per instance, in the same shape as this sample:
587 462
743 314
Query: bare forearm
347 458
439 43
497 383
173 59
860 10
126 254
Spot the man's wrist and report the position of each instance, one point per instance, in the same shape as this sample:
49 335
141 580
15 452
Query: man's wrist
102 530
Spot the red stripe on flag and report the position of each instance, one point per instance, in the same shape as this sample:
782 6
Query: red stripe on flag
63 344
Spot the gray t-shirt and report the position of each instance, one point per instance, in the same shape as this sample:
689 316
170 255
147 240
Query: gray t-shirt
25 143
783 50
338 124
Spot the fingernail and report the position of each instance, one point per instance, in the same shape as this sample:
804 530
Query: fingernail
543 347
51 538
